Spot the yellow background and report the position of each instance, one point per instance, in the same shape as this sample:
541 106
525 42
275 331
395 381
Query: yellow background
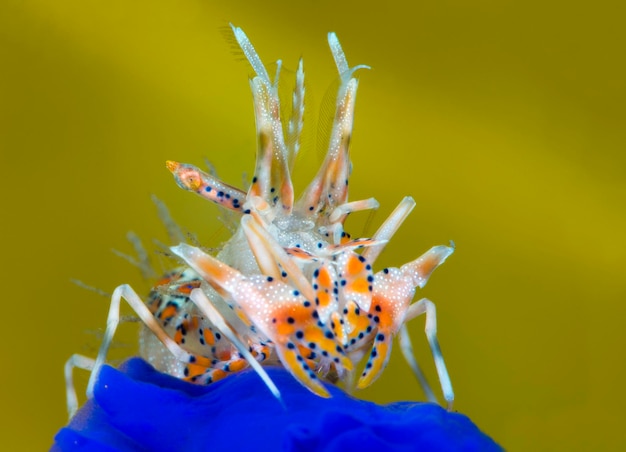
505 120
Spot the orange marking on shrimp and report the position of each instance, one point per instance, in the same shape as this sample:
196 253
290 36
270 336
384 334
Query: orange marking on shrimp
218 374
324 278
194 370
187 287
429 264
301 315
384 312
288 319
330 345
237 365
178 337
304 351
324 298
337 327
357 320
169 311
208 336
243 317
299 367
203 361
354 265
165 280
378 359
300 253
326 291
212 270
223 355
311 363
284 329
359 285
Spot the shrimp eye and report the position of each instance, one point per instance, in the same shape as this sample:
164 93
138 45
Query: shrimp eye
190 179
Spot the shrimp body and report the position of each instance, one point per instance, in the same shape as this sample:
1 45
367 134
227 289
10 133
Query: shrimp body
290 287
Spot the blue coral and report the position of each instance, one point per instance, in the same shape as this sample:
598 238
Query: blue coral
139 409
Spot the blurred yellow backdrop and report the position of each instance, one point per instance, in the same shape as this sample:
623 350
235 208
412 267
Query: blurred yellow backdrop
504 120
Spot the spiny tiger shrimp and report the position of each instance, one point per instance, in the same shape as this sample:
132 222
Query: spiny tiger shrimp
291 287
